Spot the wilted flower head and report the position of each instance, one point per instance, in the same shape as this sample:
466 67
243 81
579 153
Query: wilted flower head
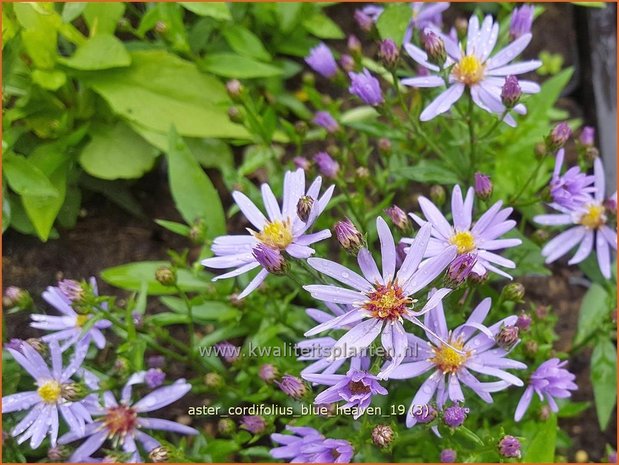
448 456
461 268
326 165
558 136
399 217
382 435
321 60
267 372
509 447
521 21
326 121
255 424
366 87
292 386
307 445
549 381
508 337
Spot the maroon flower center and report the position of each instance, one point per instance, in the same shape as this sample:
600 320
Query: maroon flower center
387 302
120 420
358 387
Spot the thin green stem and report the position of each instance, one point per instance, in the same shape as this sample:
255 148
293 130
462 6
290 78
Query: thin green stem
189 306
531 177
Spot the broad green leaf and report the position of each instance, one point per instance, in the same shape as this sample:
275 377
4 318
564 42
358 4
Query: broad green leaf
594 310
49 79
322 26
40 45
244 42
541 447
429 171
103 51
160 90
604 380
106 155
72 10
131 276
289 15
361 113
217 10
203 312
103 17
235 66
6 209
192 190
527 256
25 178
393 22
177 228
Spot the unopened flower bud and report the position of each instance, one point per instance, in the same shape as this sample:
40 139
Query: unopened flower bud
389 53
302 162
610 205
591 153
353 44
587 136
363 20
292 386
166 276
540 149
154 377
121 366
58 453
234 89
123 25
16 297
267 372
455 415
304 207
326 121
270 259
382 435
399 218
73 392
255 424
347 63
159 454
73 290
39 345
437 194
197 232
509 447
521 21
462 25
545 412
448 456
161 27
435 47
235 115
384 145
524 321
349 236
226 427
461 268
308 78
228 351
507 337
514 292
531 347
326 165
483 186
540 236
511 92
362 172
558 137
213 381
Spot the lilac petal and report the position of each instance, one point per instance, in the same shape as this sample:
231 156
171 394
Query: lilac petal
89 447
257 281
423 81
97 337
129 446
486 219
294 188
429 270
411 370
238 271
434 216
598 172
270 203
54 296
308 239
359 337
148 442
300 251
462 211
166 425
162 396
524 403
454 389
53 425
553 220
229 261
73 436
19 401
609 235
233 245
327 380
387 249
584 249
368 267
561 244
342 320
340 273
478 316
423 396
510 52
40 427
472 35
420 57
486 99
498 229
318 315
603 255
109 400
469 380
494 258
488 39
435 315
78 427
443 102
338 295
415 254
249 209
51 322
516 68
76 361
395 342
486 370
31 361
499 244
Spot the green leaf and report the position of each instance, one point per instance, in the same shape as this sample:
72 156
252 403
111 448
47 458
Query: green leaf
160 90
527 256
6 209
203 312
322 27
178 228
72 10
429 171
604 380
215 10
593 312
131 276
541 447
289 14
25 178
235 66
106 155
244 42
192 190
103 17
393 22
49 79
103 51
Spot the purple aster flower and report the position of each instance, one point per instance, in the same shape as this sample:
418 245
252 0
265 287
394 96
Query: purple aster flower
367 16
267 372
154 378
325 120
549 381
366 87
355 387
469 347
511 92
228 351
14 344
455 415
589 226
571 189
292 386
122 423
321 60
255 424
479 238
326 165
380 302
521 21
68 328
269 258
473 67
307 445
48 400
509 447
283 230
587 136
448 456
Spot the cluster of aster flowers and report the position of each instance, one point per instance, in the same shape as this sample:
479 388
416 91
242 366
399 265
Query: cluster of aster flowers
72 393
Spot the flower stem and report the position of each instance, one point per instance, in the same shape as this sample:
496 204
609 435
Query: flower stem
187 302
530 179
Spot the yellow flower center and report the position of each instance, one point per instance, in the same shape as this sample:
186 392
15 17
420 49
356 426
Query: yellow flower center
449 360
469 70
594 218
50 391
464 241
387 302
276 234
81 320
